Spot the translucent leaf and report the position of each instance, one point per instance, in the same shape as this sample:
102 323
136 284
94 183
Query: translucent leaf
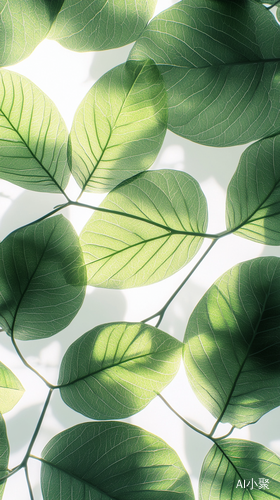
11 389
220 63
102 24
4 453
232 345
119 127
23 25
167 217
33 137
115 370
235 469
41 272
112 460
253 196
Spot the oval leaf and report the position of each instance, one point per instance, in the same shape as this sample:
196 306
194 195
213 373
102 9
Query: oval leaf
119 127
102 24
23 25
41 272
167 215
4 453
115 370
232 345
11 389
253 195
235 469
33 137
112 460
220 63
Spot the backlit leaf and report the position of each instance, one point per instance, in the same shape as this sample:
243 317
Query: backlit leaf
100 25
167 219
33 137
253 196
115 370
11 389
220 63
232 343
112 460
41 277
240 470
119 127
4 453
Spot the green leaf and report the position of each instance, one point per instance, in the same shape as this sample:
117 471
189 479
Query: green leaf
119 127
112 460
167 215
41 276
23 25
220 64
102 24
232 464
4 453
253 195
11 389
232 343
115 370
33 137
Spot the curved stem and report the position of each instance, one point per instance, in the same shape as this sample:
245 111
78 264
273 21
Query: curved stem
162 311
28 483
225 435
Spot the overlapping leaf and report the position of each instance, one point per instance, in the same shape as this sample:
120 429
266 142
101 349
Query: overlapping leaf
232 343
253 196
23 25
102 24
240 470
41 277
4 453
11 389
112 460
167 219
33 137
115 370
220 63
119 127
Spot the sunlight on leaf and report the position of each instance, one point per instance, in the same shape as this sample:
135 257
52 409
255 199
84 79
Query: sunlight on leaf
11 389
166 208
232 343
112 460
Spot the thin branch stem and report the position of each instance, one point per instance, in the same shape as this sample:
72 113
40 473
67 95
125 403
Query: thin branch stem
28 483
273 5
226 435
162 311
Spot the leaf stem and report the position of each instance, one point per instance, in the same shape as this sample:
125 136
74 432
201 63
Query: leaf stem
28 483
273 5
162 311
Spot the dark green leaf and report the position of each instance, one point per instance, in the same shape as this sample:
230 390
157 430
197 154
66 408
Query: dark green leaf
112 460
33 137
102 24
115 370
240 470
253 196
168 216
232 348
4 453
41 272
23 25
11 389
119 127
220 63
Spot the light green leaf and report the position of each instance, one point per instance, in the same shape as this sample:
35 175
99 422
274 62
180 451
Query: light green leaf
11 389
115 370
112 460
41 277
23 25
220 63
102 24
4 453
232 343
167 217
235 469
119 127
253 195
33 137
